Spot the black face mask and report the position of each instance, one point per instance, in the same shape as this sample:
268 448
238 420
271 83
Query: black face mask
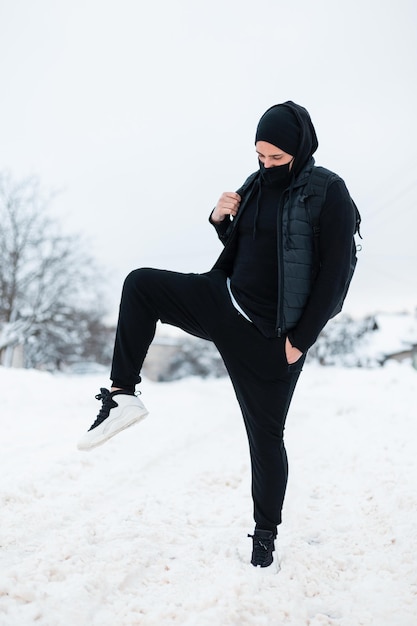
279 175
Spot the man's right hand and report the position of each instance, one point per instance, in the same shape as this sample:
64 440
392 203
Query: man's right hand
228 204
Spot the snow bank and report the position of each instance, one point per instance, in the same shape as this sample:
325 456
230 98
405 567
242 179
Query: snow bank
151 528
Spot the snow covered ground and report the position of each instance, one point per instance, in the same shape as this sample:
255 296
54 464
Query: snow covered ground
150 529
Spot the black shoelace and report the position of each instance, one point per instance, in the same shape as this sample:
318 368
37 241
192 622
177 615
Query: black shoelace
107 404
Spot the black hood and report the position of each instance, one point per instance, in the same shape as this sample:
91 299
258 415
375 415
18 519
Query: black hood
308 143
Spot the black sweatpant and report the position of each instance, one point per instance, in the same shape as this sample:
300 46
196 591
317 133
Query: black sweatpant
262 379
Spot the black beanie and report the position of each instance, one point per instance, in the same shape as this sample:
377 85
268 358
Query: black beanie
279 126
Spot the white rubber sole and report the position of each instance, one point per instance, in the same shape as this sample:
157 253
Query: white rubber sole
110 427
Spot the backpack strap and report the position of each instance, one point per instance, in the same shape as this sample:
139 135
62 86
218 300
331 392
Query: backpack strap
358 220
315 193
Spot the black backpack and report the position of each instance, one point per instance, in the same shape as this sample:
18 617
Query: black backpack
315 195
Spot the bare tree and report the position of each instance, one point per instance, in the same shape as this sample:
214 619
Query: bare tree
48 284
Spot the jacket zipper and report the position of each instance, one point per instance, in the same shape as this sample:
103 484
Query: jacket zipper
280 259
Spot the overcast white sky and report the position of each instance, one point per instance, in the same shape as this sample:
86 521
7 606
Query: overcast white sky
142 113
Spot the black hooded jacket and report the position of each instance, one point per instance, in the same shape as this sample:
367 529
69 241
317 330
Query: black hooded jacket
302 302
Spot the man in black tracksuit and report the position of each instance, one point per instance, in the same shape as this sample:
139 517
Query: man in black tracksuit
263 304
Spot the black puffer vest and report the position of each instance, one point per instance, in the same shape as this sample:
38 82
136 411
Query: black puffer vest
297 265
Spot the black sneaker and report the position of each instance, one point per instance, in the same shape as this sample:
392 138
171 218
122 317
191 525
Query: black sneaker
119 410
263 547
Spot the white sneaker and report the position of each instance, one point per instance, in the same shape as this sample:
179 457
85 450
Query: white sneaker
120 409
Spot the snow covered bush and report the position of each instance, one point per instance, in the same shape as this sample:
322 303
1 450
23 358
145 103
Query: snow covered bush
194 357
